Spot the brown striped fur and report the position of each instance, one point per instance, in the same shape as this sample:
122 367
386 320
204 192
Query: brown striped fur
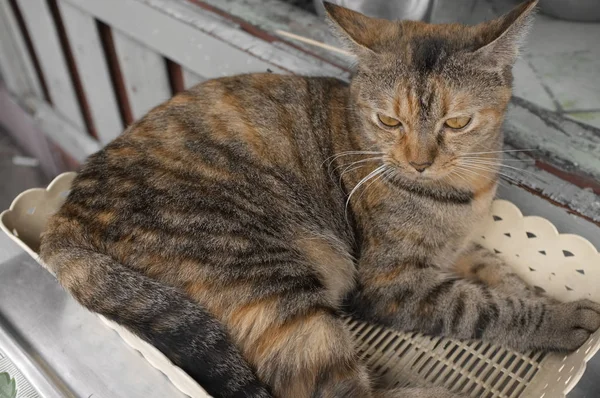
240 218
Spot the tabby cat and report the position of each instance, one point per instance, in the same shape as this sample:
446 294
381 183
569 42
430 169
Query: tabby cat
241 218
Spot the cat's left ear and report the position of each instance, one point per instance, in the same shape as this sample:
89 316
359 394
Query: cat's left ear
362 35
503 37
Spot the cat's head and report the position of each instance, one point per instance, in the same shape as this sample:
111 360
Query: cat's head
432 97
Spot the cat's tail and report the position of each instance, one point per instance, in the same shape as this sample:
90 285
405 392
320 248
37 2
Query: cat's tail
163 316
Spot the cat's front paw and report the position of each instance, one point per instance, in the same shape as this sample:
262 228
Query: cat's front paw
568 325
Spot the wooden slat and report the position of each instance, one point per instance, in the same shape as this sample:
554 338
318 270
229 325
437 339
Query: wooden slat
20 125
236 34
70 138
187 35
145 74
274 15
15 64
570 145
563 193
93 70
47 46
190 78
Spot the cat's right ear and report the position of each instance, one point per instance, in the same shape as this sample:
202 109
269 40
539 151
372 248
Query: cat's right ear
360 34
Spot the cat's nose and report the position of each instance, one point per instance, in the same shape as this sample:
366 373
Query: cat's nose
420 167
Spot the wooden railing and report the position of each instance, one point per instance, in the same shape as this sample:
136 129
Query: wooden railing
86 69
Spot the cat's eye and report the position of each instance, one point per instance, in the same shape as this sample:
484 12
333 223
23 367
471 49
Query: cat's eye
457 123
389 121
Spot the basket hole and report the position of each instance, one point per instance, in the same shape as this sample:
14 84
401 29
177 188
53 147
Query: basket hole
507 234
510 361
531 235
567 253
497 218
582 272
517 255
31 211
497 379
504 387
568 380
542 252
539 290
570 289
424 365
497 251
531 269
482 237
553 273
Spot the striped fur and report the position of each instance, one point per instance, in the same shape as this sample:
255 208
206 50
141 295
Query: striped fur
230 227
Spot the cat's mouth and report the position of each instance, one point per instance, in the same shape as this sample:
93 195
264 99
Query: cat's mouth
407 172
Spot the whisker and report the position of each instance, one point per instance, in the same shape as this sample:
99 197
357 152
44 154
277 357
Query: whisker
361 182
373 180
490 170
355 163
475 173
332 158
500 165
350 170
456 172
504 151
499 160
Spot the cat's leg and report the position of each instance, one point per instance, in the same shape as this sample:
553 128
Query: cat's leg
300 355
163 316
305 354
477 263
417 296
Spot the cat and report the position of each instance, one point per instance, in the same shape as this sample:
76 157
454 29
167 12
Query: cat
232 225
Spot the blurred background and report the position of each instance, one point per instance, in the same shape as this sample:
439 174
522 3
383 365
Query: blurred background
75 73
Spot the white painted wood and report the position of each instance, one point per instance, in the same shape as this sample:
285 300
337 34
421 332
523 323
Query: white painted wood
276 15
19 124
93 71
190 78
145 74
15 63
279 54
50 55
63 132
177 30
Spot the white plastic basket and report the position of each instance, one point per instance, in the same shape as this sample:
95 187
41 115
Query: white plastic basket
567 267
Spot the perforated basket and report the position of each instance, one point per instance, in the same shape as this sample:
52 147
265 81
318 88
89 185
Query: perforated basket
567 267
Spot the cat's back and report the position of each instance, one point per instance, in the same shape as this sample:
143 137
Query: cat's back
248 146
263 115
